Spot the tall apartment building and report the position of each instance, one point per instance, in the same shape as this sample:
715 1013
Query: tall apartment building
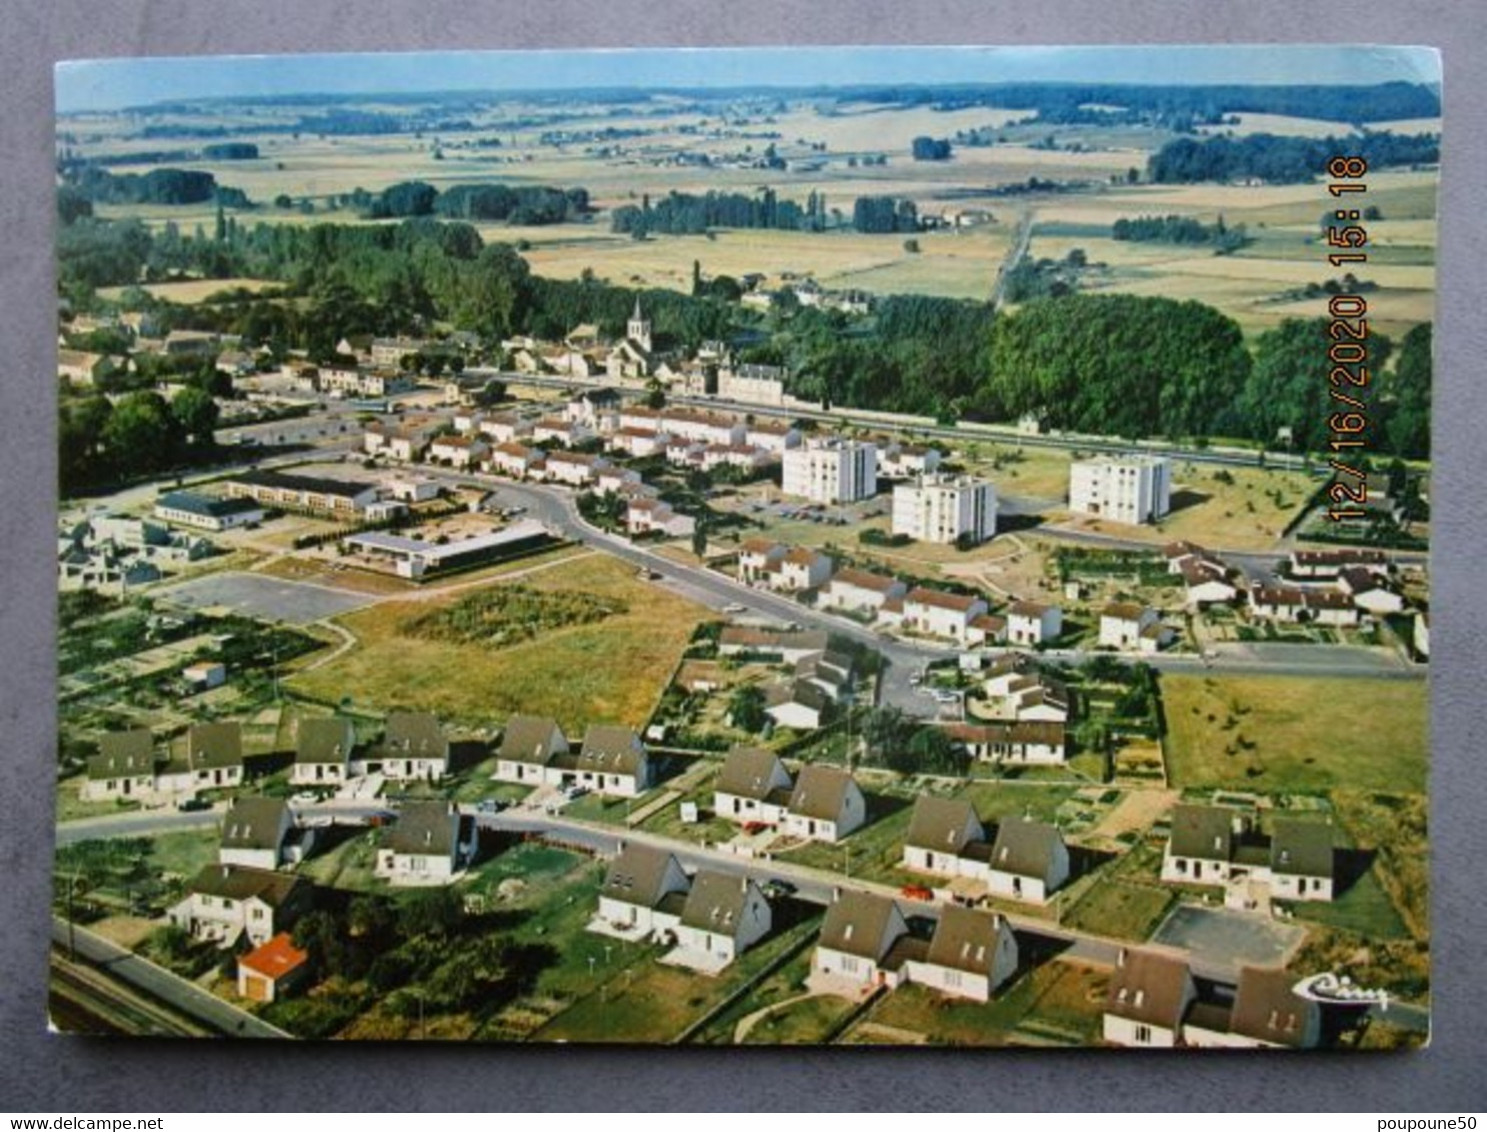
831 469
1128 489
940 508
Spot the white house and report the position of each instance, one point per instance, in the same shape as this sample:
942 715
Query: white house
723 917
273 969
574 468
945 509
255 833
702 428
1127 489
1369 591
752 786
859 931
1302 860
772 436
529 743
1029 861
799 568
1017 741
971 954
1148 997
859 591
515 460
503 428
612 760
414 748
1030 623
1328 564
800 704
1200 846
644 516
939 831
831 469
225 902
940 614
123 768
1123 623
638 442
906 461
213 760
644 892
756 556
826 804
323 752
459 451
1207 583
552 430
430 843
1215 845
594 409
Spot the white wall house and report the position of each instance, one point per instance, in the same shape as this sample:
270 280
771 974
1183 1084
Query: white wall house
940 614
723 917
752 786
859 591
1031 623
856 936
831 469
1029 861
430 843
633 898
1123 623
971 954
1127 489
937 508
826 804
1149 995
939 831
224 902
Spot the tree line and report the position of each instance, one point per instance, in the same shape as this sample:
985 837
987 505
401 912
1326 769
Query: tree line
688 214
158 186
1282 160
518 204
1174 229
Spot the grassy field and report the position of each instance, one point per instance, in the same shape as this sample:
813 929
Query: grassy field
1056 1002
1296 734
193 291
610 671
1121 910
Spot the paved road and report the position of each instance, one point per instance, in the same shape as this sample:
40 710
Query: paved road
135 823
169 988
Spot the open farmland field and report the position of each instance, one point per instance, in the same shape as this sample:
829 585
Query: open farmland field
1301 735
195 290
611 670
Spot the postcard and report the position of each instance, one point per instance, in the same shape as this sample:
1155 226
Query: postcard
820 546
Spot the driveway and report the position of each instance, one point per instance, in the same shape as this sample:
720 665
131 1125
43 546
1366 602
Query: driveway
1221 941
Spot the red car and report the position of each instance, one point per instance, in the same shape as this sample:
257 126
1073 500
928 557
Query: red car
916 892
753 827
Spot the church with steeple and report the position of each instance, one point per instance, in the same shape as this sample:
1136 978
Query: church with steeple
634 357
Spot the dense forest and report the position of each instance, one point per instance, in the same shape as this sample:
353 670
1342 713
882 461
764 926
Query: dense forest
884 214
1282 160
688 214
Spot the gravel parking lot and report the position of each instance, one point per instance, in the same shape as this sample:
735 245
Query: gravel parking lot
270 599
1226 938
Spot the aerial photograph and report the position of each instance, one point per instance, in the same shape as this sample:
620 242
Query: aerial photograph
820 546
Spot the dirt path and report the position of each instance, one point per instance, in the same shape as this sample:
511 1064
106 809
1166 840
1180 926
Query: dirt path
749 1021
1136 811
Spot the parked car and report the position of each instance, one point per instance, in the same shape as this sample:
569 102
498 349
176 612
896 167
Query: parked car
916 892
753 827
490 806
776 889
734 607
192 805
306 798
573 792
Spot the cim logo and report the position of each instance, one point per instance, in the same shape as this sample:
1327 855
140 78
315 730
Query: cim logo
1338 990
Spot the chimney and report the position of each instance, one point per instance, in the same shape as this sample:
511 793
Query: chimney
1120 958
836 893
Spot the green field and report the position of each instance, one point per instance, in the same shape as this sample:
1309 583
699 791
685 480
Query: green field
1307 734
609 671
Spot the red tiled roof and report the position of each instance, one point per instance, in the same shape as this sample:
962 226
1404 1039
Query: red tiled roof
276 958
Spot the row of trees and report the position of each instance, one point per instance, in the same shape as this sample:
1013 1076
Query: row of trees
520 204
884 214
1173 229
158 186
679 214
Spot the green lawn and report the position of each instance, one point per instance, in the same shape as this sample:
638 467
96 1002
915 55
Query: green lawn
1364 908
1296 734
1120 910
807 1022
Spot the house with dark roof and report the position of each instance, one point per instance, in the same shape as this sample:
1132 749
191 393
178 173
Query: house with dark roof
857 940
272 970
1148 997
644 893
324 749
224 902
1264 1013
1029 861
430 843
753 786
1200 847
255 833
1301 859
826 804
124 766
612 760
831 671
724 915
213 759
799 704
529 743
940 829
414 747
790 644
1369 590
970 955
1216 845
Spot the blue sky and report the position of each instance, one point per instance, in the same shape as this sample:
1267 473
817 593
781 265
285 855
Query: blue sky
111 83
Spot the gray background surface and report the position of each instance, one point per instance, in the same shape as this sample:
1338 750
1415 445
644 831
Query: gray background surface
54 1074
